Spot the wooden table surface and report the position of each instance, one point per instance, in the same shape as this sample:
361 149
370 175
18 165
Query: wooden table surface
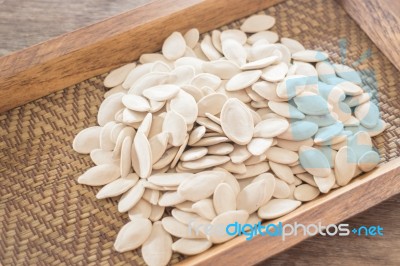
24 23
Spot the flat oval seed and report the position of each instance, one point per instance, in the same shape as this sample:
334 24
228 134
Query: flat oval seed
325 184
205 162
353 101
291 86
100 175
299 131
208 48
117 187
222 68
348 87
185 105
254 195
211 103
254 170
87 140
243 80
143 152
191 246
311 104
201 186
327 133
306 192
234 34
256 23
293 45
285 109
125 162
131 197
184 216
269 36
135 74
192 37
368 161
281 189
275 73
294 145
277 208
174 46
220 149
156 213
283 172
282 156
314 161
133 234
136 103
193 154
158 145
117 76
178 229
368 114
347 73
204 208
161 92
310 56
206 80
258 146
234 52
271 127
224 198
237 122
175 125
260 63
99 157
169 179
141 209
224 220
345 165
156 250
170 199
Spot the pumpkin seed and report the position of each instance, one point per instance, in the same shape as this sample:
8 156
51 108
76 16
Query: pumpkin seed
133 234
191 246
237 122
276 208
156 250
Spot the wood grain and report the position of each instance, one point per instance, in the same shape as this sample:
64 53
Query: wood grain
332 208
380 20
74 57
26 23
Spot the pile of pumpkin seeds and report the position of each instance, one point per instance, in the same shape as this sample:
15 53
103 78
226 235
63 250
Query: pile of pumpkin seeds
233 128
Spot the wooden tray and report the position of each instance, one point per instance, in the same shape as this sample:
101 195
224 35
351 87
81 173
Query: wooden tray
48 67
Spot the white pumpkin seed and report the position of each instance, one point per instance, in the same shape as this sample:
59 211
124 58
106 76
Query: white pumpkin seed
256 23
156 250
131 197
201 186
174 46
87 140
237 122
204 208
276 208
141 209
306 192
100 175
224 198
243 80
191 246
133 234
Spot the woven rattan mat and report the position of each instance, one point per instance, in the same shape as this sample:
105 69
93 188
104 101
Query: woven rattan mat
46 218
